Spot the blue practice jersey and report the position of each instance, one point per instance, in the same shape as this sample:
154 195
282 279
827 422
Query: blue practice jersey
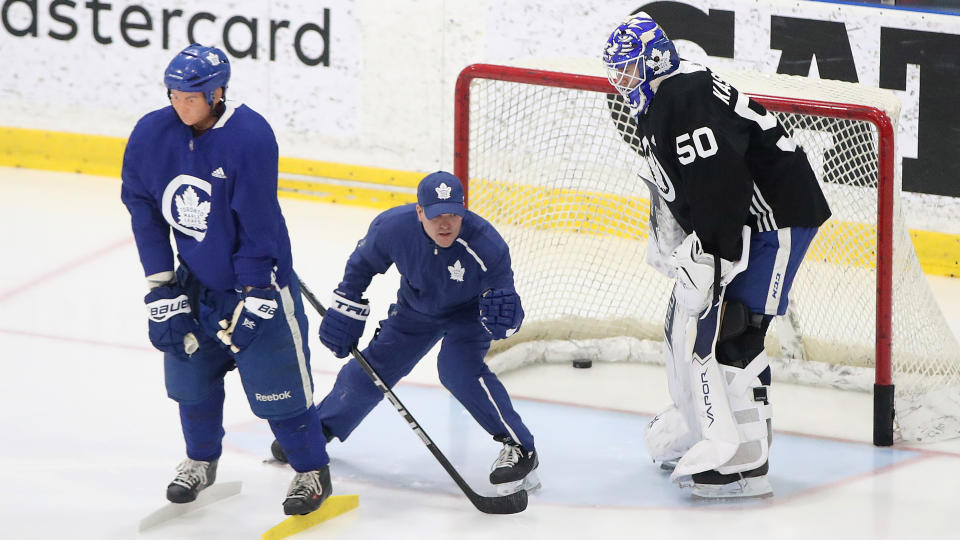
434 281
218 192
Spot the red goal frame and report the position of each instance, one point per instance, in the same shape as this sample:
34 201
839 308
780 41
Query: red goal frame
883 384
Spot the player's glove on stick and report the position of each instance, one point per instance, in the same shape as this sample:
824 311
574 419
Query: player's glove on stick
500 312
171 321
252 313
342 326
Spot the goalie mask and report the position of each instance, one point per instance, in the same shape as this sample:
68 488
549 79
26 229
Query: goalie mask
637 54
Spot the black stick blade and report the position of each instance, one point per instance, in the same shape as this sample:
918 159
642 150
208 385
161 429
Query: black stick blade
513 503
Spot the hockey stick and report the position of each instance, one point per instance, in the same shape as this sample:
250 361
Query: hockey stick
506 504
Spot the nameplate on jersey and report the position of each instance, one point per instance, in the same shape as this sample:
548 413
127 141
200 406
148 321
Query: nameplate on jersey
186 205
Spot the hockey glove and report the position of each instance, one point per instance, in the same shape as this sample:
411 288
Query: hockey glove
171 321
342 326
500 312
257 307
696 274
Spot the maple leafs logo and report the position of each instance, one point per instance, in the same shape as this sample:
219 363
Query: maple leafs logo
190 211
457 271
213 59
659 61
443 192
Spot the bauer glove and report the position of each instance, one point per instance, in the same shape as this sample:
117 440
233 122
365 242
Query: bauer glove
500 312
171 322
253 312
342 326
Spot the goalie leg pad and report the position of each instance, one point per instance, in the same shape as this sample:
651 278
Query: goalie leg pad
719 438
746 370
735 422
674 431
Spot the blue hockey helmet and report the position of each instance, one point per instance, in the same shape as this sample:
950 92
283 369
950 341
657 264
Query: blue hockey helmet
637 53
198 69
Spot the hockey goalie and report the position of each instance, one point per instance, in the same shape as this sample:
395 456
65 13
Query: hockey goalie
734 206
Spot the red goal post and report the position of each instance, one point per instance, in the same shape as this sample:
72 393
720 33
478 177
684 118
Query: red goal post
465 158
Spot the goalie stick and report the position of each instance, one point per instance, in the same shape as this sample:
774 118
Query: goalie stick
506 504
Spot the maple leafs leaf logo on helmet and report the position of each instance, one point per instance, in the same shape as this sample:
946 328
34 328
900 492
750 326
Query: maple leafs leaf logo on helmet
660 60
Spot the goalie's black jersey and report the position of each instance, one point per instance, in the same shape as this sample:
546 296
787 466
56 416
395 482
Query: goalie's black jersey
720 161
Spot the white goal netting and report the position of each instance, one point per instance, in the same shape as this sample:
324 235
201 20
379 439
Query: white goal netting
553 166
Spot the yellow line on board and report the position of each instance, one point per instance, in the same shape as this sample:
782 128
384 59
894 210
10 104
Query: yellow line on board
939 253
340 194
332 507
65 152
358 173
555 209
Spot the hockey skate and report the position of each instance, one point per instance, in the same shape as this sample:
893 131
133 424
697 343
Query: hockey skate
307 492
192 478
711 485
278 453
514 469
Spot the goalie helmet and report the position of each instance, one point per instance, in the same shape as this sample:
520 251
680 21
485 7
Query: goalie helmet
198 69
636 54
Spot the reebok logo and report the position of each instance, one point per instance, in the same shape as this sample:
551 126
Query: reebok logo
273 397
218 173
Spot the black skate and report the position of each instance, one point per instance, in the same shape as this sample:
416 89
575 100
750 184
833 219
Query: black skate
307 492
192 478
277 451
712 485
514 469
281 456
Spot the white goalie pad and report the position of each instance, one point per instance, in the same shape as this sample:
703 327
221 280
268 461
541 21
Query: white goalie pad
752 417
668 436
734 432
719 437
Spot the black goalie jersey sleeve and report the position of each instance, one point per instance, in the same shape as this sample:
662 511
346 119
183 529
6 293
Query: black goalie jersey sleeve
721 161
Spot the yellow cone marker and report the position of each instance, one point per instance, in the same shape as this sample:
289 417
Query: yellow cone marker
332 507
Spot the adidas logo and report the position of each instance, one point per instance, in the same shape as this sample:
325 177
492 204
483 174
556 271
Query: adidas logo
218 173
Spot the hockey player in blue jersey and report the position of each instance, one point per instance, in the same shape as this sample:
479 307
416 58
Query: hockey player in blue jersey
457 286
734 206
206 169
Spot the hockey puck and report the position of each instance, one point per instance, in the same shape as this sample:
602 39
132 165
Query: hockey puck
582 364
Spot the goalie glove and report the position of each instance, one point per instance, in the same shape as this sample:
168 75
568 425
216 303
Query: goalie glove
696 271
343 324
171 322
253 311
500 312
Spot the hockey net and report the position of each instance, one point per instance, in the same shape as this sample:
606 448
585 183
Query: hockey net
549 158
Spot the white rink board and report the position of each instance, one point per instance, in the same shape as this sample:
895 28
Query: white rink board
386 97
